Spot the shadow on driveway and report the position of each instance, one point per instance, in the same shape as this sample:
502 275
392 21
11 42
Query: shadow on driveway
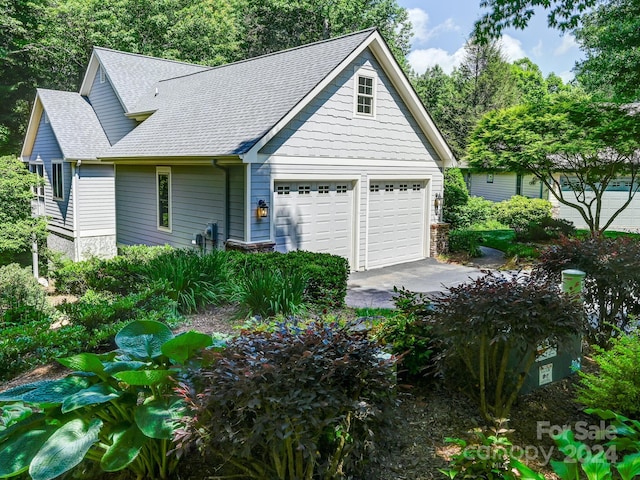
374 288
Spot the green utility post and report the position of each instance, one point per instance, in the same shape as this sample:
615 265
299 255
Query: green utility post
555 362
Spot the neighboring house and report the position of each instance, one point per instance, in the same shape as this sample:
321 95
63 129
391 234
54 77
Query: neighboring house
329 137
502 186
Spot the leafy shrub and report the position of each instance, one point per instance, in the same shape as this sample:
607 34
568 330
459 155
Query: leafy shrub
116 409
267 293
466 241
293 403
326 274
612 284
546 229
410 339
456 194
20 294
616 386
191 279
518 212
485 456
122 274
96 309
490 329
476 210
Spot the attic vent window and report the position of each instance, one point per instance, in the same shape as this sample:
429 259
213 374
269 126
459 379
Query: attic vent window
103 77
365 99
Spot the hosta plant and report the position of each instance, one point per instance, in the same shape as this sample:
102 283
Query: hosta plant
116 409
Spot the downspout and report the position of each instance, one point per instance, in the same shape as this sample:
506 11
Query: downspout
227 197
75 178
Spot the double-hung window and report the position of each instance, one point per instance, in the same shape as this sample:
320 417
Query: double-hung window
57 183
365 94
163 194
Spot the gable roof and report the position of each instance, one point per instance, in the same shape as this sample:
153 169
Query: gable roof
74 124
227 109
133 75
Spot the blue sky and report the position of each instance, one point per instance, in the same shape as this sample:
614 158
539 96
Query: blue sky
442 27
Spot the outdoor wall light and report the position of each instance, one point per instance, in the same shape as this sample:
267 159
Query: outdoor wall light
437 203
263 209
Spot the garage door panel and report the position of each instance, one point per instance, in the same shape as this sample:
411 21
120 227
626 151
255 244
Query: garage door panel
396 222
315 217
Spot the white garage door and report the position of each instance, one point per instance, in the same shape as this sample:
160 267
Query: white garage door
314 216
396 223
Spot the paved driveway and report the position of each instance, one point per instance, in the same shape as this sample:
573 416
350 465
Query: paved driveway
374 288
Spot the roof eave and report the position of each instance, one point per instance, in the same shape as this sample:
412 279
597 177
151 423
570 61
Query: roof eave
32 129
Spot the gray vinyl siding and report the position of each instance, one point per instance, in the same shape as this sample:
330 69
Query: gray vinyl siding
236 202
260 190
328 127
197 196
503 186
96 196
46 149
327 141
109 110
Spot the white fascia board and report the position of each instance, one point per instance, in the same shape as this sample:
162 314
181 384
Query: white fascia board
401 83
32 129
411 99
90 75
252 155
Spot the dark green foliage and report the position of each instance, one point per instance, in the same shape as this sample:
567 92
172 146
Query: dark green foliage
616 384
18 229
20 294
122 274
326 274
476 210
465 241
191 279
117 409
298 402
456 194
518 212
95 310
612 284
546 229
490 329
267 293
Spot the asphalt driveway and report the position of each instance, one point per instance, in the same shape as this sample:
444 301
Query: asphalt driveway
374 288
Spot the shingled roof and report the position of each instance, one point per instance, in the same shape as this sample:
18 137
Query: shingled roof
134 75
225 110
74 124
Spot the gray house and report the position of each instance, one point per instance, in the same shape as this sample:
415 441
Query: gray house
324 147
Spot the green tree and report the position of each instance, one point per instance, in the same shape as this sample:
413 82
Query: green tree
576 147
19 35
483 82
531 85
502 14
610 38
272 25
17 226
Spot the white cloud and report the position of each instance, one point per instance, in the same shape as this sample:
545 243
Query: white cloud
566 76
568 43
422 59
512 48
538 49
421 32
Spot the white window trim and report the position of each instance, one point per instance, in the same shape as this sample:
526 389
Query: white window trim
54 163
164 171
368 73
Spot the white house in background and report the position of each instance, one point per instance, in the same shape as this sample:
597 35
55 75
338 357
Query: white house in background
330 137
502 186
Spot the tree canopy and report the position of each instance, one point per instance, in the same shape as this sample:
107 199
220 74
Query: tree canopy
610 38
47 43
17 227
575 146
